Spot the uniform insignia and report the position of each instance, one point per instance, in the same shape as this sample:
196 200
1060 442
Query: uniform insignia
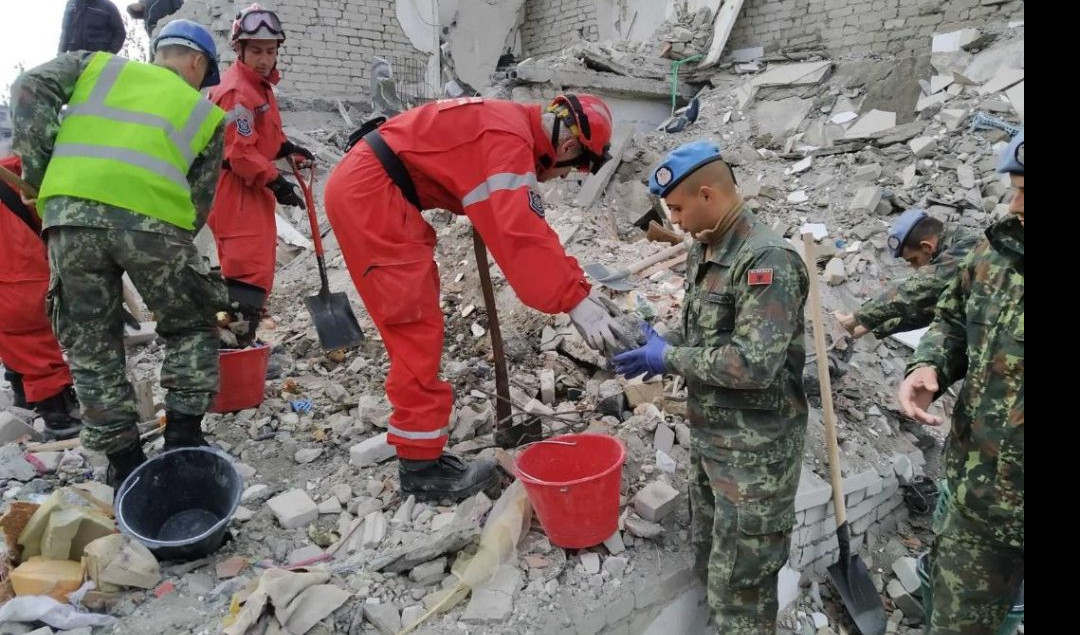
536 203
759 277
663 175
243 119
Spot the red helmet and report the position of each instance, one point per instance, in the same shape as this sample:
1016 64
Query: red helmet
590 120
257 23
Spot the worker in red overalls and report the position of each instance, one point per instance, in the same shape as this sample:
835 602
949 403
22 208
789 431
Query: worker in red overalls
33 363
243 217
482 158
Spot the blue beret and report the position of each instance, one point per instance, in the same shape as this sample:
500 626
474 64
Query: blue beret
681 163
901 229
1012 159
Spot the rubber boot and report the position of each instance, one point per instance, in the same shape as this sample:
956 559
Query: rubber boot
122 463
183 431
446 478
18 394
61 414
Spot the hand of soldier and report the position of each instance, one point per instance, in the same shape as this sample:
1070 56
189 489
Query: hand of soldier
647 360
917 393
848 321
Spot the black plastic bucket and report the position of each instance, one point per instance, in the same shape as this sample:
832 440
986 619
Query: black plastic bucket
179 503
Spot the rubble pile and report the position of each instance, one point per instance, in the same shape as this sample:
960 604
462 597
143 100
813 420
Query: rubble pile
323 541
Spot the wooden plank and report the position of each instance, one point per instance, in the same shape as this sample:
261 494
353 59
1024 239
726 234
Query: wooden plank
594 186
663 266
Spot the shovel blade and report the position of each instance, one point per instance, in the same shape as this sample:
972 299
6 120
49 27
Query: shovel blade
334 320
862 601
611 278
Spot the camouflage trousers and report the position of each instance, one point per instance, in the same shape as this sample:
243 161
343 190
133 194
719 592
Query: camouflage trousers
85 307
975 573
741 531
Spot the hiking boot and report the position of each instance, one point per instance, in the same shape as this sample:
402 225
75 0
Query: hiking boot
446 477
183 431
61 414
122 463
17 392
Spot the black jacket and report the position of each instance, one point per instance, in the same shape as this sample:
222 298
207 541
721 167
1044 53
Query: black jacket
92 25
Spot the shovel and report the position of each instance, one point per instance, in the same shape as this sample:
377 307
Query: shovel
617 279
330 312
849 575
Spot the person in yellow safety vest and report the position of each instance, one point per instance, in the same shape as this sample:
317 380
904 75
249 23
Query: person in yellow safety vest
126 179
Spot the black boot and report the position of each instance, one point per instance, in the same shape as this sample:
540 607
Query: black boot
15 379
247 300
446 477
61 414
122 463
183 431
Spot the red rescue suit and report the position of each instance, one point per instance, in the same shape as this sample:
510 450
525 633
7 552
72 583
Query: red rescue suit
243 218
473 157
27 343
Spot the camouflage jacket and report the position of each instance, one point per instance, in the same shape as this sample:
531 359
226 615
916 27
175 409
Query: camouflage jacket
978 336
742 349
909 303
37 97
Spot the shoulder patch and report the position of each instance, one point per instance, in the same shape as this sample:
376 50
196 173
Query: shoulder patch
759 277
536 203
243 119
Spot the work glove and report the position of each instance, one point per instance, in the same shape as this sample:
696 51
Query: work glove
596 325
286 192
648 359
303 157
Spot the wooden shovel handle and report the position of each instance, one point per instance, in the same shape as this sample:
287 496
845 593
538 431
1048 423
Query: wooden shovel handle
659 256
823 378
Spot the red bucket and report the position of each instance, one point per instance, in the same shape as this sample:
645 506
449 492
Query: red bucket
243 374
573 484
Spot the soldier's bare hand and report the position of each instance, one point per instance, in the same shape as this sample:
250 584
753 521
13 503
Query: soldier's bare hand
917 393
848 321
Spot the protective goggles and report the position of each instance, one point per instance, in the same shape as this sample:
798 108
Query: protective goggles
252 21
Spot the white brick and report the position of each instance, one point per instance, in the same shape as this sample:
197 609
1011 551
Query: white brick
371 451
293 508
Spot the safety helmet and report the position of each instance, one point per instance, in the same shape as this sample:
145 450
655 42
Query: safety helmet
256 23
194 36
589 120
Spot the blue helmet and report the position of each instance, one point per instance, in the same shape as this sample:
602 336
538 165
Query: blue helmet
192 35
1012 159
901 229
681 163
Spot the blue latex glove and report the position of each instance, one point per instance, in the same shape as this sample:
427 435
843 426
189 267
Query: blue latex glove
648 359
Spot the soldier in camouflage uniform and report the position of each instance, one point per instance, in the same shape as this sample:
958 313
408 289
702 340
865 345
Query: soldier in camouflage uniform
742 352
935 252
109 209
978 336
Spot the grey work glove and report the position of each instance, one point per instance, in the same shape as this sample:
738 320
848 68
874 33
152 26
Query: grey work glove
596 325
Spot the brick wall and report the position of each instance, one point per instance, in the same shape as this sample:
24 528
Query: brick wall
858 27
330 43
552 25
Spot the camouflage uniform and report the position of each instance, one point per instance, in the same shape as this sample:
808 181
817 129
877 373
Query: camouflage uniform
742 354
909 304
91 245
978 336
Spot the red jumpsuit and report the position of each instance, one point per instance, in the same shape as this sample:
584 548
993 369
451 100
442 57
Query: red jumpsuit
472 157
243 218
27 343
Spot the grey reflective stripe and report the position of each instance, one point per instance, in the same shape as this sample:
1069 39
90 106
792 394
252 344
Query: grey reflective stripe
95 106
185 137
496 182
405 434
86 150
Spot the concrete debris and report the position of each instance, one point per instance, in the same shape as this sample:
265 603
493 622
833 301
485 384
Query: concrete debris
371 451
835 274
384 617
12 428
493 602
643 528
293 508
116 561
656 501
866 200
922 146
591 563
872 123
615 544
13 466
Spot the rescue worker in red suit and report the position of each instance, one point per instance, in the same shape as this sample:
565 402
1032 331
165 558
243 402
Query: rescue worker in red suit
243 217
33 363
482 158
